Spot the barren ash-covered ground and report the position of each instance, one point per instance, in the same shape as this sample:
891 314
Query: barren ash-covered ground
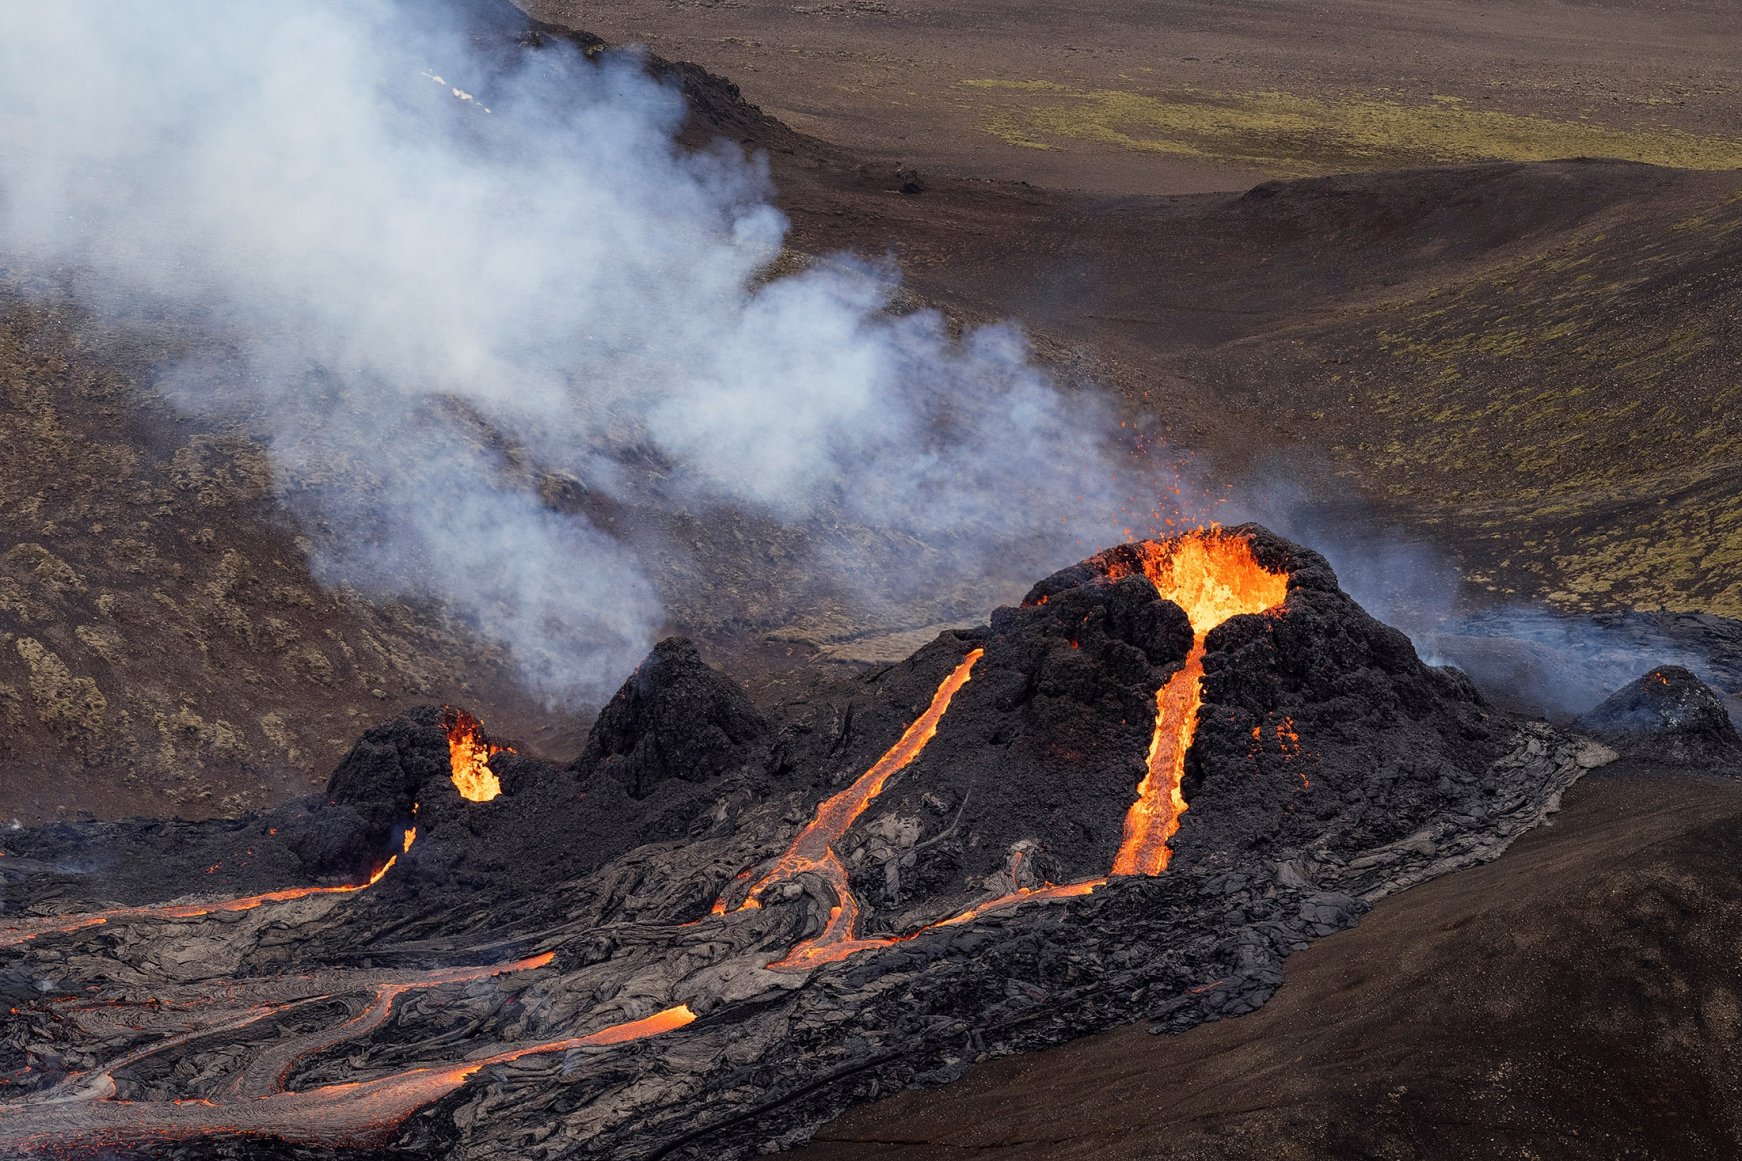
699 581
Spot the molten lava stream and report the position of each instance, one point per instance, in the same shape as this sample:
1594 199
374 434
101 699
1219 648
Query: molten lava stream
356 1114
669 1020
1020 895
1154 815
24 930
813 849
1212 576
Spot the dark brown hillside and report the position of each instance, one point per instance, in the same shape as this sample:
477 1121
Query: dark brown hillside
1527 364
1184 96
162 645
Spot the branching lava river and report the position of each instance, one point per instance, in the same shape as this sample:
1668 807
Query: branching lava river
1212 576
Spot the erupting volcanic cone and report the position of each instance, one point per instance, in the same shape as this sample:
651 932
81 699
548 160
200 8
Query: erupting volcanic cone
1128 796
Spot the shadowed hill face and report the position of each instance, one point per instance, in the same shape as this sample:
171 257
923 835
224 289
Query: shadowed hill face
1527 366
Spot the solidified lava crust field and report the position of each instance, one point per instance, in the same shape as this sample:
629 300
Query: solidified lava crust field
1128 798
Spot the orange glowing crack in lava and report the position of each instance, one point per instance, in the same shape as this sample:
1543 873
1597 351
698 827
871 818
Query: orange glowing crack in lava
254 1101
813 851
351 1114
469 754
24 930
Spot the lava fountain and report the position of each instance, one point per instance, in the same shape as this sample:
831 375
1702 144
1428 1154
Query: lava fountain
470 752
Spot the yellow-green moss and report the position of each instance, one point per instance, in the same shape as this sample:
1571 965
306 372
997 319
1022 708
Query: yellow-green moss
1291 134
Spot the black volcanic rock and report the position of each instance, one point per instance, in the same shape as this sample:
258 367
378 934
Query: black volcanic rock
390 766
1330 767
1669 716
1044 745
310 841
676 717
1321 725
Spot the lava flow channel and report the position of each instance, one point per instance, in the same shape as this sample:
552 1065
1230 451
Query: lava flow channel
813 850
204 1012
357 1114
1212 576
269 1073
24 930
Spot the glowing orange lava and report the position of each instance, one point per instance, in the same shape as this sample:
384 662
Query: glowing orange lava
669 1020
1020 895
1212 576
24 930
352 1114
469 755
813 850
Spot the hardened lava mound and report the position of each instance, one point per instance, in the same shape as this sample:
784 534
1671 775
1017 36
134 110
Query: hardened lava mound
1127 798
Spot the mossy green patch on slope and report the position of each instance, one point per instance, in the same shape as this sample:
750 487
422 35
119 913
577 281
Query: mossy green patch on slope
1292 134
1569 414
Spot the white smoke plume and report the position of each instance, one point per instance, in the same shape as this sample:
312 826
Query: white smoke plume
396 244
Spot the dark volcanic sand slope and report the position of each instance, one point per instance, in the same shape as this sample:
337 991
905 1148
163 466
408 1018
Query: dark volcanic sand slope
1576 999
1175 96
1527 365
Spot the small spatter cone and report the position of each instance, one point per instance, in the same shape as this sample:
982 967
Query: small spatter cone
1669 716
